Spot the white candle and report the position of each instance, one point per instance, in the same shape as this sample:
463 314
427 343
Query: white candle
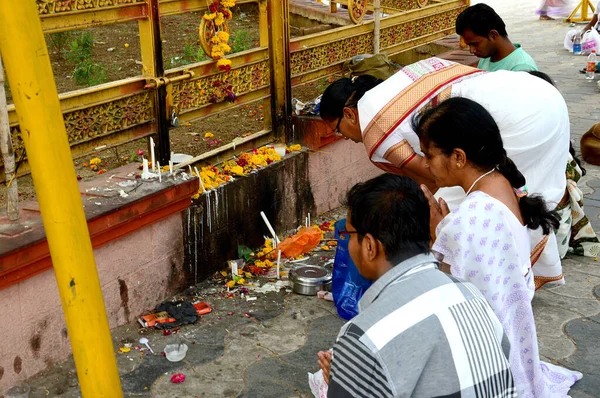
152 153
159 173
308 220
170 167
264 217
145 163
278 262
190 168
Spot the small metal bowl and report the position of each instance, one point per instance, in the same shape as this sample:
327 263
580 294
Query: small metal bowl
309 279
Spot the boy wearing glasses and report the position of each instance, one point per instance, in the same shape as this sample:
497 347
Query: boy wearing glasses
419 332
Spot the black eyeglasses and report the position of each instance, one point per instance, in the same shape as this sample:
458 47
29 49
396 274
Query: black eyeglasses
337 132
345 235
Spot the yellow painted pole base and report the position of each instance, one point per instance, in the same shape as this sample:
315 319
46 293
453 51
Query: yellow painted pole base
583 7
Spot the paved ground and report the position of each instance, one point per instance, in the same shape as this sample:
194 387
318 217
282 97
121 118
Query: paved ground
265 348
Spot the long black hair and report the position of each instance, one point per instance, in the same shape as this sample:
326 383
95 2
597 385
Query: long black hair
463 123
344 92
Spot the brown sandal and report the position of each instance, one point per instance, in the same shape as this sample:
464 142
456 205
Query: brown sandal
546 18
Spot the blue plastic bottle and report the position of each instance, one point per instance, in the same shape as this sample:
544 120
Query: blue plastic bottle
577 44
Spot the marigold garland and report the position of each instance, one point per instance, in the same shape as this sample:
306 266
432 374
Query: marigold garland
213 177
218 13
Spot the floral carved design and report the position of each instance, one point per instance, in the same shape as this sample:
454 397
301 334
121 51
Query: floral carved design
100 120
403 4
357 10
330 53
86 124
195 93
57 6
414 29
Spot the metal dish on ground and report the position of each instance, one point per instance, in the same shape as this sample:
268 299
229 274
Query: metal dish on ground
309 279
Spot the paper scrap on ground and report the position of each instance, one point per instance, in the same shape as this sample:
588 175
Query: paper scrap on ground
271 287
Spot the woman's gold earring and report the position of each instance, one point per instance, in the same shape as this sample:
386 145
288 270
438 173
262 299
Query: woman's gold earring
458 165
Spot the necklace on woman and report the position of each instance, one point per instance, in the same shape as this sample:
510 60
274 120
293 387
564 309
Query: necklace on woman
477 180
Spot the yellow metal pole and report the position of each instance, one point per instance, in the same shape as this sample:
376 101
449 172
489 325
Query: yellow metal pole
582 6
263 27
279 57
33 88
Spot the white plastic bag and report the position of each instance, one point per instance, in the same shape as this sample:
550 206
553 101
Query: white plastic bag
590 41
568 43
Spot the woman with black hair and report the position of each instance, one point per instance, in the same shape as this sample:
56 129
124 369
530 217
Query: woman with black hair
486 239
532 117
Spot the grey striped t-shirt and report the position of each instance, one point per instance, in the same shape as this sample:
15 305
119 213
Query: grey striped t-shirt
421 333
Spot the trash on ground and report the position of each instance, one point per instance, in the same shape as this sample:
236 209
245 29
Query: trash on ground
144 341
175 352
328 296
271 287
151 320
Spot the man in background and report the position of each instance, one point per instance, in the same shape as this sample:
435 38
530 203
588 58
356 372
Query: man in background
485 33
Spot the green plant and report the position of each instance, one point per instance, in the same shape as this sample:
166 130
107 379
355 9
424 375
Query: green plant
191 53
240 41
86 72
89 73
81 48
59 42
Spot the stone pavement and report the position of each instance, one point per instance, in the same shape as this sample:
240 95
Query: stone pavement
266 347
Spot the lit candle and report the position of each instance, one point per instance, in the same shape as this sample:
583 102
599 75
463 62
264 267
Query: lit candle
152 153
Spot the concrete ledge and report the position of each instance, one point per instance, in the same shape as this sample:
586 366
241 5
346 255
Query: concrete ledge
23 246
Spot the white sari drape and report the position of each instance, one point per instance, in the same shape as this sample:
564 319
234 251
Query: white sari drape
534 124
484 243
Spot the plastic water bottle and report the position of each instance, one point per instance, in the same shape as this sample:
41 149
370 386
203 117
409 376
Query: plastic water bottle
590 70
577 44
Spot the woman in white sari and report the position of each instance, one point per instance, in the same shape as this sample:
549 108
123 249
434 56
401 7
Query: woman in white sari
486 239
531 114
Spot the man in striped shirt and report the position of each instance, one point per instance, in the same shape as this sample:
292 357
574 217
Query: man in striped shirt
419 332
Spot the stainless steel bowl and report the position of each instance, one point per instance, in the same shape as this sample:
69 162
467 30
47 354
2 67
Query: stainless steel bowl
309 279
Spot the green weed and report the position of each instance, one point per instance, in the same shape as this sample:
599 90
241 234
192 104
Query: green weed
191 53
240 41
59 42
86 72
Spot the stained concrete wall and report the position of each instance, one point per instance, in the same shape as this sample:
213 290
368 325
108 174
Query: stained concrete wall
136 273
310 181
